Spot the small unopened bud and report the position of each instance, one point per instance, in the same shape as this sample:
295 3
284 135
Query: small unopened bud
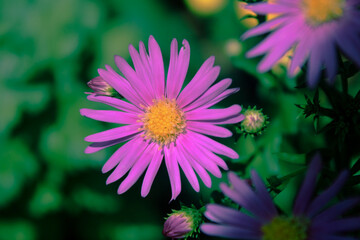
255 122
183 223
177 226
101 87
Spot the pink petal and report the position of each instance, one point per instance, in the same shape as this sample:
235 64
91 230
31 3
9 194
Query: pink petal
197 167
178 68
151 172
113 133
157 67
213 114
97 146
173 170
200 157
212 145
197 86
118 155
209 95
138 169
140 79
121 86
128 160
114 102
208 129
221 97
188 171
281 34
110 116
266 8
265 27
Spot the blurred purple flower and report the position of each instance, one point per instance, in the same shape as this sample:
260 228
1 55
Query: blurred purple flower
161 121
314 28
309 221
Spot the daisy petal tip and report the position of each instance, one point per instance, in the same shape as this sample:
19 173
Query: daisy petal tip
254 173
225 167
131 48
223 186
186 44
101 71
82 111
217 69
174 42
245 36
197 189
203 227
316 161
91 97
250 54
172 199
264 67
235 90
144 192
122 189
247 6
116 57
119 60
242 117
108 180
232 176
105 170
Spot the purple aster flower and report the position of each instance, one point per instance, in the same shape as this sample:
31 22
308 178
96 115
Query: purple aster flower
161 121
310 219
314 28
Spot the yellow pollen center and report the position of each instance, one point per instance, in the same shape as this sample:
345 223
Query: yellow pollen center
285 228
163 121
321 11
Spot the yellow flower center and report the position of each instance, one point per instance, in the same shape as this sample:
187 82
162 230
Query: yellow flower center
285 228
163 121
321 11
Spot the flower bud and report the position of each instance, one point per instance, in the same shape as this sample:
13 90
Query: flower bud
182 223
177 225
255 122
101 87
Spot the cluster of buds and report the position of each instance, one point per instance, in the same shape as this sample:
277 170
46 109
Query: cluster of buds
183 223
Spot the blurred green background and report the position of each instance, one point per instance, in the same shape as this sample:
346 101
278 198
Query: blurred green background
49 50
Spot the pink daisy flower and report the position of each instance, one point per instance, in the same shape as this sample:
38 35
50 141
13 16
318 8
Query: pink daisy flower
310 219
161 121
314 28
